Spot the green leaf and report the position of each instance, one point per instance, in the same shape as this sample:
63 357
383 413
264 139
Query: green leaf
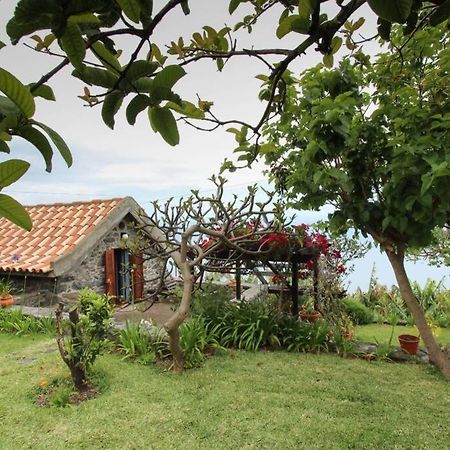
336 43
295 23
105 56
33 15
131 8
328 61
141 69
111 105
13 211
36 138
168 76
441 13
136 106
58 141
392 11
12 170
96 77
43 91
163 122
2 44
186 109
233 5
185 7
4 148
84 18
384 29
17 92
73 44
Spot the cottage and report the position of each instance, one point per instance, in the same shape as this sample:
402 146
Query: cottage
75 245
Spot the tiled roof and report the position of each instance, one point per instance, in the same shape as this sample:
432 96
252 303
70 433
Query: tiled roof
57 229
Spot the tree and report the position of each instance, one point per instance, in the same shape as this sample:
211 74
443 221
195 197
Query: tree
373 140
209 233
86 34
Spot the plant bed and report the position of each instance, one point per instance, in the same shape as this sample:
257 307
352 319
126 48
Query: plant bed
60 391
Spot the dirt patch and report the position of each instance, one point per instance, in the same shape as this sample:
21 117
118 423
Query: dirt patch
158 312
59 396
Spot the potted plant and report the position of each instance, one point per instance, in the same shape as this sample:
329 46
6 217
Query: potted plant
309 314
6 298
409 343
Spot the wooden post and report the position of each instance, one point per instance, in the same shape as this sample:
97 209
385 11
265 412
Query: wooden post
294 287
238 280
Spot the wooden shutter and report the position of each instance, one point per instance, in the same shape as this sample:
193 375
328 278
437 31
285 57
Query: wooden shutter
137 264
110 273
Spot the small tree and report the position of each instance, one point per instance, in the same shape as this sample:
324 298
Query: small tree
373 140
89 323
210 233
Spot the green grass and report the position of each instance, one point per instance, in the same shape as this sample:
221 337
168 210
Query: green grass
382 333
237 401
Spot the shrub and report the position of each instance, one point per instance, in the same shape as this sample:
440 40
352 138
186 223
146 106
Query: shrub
358 313
210 301
299 336
247 326
89 324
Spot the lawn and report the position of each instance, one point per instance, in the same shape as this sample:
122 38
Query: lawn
238 400
381 333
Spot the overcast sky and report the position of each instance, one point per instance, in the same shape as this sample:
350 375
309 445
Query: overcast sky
133 160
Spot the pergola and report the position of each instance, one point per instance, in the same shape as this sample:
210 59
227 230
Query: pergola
238 263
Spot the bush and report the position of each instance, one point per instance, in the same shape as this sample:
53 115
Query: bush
247 326
210 301
299 336
358 313
89 324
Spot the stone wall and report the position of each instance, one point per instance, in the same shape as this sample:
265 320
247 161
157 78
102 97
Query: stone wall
90 273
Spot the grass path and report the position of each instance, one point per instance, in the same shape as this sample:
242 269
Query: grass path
236 401
381 333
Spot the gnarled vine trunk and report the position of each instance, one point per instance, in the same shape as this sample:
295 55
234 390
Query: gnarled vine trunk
437 356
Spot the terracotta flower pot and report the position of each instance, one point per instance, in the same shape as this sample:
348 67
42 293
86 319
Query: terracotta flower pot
409 343
6 301
309 317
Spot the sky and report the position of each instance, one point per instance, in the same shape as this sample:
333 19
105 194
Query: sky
135 161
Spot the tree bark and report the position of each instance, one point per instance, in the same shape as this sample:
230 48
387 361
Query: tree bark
437 356
174 322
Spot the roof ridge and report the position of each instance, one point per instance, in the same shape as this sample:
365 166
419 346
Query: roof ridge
77 202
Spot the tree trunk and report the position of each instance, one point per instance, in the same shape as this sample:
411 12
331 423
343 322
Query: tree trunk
174 322
437 356
78 378
175 348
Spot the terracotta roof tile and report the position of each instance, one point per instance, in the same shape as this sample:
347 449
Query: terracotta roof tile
57 229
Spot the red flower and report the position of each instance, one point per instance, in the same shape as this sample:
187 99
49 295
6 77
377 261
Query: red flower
274 240
340 268
278 279
321 242
337 254
206 243
309 265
